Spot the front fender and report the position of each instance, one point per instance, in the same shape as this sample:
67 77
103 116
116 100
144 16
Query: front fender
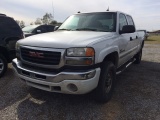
106 52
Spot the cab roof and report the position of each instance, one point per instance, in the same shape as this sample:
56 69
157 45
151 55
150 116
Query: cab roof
103 12
2 14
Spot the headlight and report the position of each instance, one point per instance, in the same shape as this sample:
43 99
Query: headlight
18 50
17 46
80 52
80 56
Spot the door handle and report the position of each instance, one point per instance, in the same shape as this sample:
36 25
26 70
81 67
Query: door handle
131 38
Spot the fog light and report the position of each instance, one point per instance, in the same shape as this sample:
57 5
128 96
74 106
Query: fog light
18 55
72 87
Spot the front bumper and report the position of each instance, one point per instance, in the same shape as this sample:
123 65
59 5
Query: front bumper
63 82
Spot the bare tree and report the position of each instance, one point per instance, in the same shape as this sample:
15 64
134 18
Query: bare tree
22 24
38 21
31 23
47 18
18 22
54 22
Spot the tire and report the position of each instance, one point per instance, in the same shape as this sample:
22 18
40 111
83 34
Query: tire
3 65
104 90
138 57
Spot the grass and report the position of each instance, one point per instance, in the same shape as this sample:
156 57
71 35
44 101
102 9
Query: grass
153 39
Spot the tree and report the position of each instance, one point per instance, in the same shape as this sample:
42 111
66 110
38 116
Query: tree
31 23
53 22
18 22
47 18
22 24
38 21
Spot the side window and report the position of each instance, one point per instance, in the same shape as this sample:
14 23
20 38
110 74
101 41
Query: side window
50 28
130 20
42 28
122 21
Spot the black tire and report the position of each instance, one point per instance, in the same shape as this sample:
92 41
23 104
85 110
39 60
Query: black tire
104 90
138 57
3 65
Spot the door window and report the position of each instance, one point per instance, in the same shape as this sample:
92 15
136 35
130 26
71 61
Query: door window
122 21
42 29
50 28
130 20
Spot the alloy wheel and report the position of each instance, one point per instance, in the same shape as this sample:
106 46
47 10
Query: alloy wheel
1 65
108 82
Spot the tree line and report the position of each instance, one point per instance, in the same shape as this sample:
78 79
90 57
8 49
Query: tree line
46 19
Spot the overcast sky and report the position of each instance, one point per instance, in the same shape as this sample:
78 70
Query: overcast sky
146 13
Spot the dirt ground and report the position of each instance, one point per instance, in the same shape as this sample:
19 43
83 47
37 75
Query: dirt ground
136 97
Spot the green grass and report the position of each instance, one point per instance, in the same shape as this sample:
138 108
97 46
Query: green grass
153 39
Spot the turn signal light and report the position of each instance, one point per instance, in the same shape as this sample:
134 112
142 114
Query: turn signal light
90 52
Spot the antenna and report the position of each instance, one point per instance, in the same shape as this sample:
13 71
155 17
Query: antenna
107 9
78 12
53 9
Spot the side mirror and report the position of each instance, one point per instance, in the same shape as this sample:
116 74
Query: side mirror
128 29
38 31
56 28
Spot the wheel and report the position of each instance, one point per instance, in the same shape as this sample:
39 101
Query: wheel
3 65
104 90
138 57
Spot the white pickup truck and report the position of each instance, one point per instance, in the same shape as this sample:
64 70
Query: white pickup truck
85 54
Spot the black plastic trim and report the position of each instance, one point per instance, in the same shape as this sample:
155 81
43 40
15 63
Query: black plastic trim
65 68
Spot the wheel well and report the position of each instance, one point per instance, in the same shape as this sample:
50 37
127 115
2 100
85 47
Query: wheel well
113 57
142 44
4 52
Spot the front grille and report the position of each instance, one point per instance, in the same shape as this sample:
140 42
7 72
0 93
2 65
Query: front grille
40 56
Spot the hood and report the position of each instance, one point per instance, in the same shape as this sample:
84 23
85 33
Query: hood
27 34
65 39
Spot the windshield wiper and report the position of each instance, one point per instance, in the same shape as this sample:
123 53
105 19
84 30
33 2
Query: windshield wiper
103 30
27 31
65 29
86 29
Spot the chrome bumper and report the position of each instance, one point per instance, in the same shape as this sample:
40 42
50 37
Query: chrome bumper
63 82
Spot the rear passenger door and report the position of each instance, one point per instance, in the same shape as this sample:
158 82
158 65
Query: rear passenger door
133 36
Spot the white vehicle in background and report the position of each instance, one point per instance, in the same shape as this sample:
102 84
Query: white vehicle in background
146 34
85 54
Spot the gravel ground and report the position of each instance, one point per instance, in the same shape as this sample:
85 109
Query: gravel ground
136 97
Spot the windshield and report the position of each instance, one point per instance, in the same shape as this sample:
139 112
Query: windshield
30 28
105 22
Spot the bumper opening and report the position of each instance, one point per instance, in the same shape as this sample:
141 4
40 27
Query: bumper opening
40 76
56 88
37 85
25 73
29 74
